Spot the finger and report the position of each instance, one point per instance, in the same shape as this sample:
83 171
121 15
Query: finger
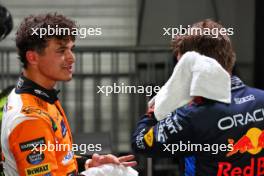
105 159
87 164
96 157
126 158
94 162
129 164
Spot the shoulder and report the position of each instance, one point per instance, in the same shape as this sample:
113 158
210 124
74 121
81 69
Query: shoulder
248 94
255 90
196 105
22 108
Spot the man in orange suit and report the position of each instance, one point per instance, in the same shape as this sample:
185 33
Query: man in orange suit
33 116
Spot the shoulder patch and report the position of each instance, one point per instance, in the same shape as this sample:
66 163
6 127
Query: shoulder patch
29 145
148 137
35 157
38 170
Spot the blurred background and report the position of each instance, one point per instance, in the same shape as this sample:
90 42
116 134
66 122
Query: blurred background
132 50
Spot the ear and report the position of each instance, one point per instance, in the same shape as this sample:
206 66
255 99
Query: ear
32 57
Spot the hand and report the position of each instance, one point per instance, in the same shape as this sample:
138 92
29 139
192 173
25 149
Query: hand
151 107
98 160
126 160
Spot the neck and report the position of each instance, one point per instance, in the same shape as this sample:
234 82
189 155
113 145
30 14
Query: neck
38 78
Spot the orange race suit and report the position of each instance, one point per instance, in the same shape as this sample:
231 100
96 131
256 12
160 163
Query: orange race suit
36 137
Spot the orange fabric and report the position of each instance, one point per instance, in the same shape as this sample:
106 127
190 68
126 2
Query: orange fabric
50 127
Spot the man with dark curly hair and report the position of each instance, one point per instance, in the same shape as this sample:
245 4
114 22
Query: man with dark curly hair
209 137
33 118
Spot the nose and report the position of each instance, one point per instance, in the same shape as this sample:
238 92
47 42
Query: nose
70 57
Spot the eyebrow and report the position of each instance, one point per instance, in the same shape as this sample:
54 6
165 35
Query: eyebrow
63 45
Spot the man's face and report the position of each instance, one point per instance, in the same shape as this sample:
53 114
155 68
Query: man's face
56 62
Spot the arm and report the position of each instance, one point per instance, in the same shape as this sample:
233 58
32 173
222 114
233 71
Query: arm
23 142
160 138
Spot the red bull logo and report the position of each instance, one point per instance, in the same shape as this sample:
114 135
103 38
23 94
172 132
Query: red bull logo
227 169
252 142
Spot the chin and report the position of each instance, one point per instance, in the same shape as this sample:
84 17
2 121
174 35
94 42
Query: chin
68 78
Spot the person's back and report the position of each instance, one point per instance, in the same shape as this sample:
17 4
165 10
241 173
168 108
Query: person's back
219 125
209 137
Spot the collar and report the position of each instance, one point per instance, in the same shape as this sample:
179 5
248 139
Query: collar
236 83
25 85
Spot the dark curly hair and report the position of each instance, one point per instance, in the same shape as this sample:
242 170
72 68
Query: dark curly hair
219 48
25 41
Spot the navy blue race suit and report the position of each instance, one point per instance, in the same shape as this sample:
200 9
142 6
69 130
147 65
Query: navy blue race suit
208 137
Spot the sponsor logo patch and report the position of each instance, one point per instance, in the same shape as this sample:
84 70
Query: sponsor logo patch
35 157
63 128
149 137
29 145
139 139
20 83
67 158
37 170
241 119
253 168
244 99
39 92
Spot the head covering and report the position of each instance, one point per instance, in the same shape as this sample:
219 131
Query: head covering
6 22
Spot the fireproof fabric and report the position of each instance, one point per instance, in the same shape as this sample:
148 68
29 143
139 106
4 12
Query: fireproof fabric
33 126
209 137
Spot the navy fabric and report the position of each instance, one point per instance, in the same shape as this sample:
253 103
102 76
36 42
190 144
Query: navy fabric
230 135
